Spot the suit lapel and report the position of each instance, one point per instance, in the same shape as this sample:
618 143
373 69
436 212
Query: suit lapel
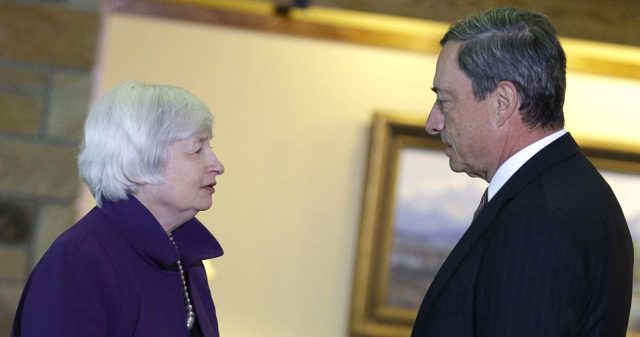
561 149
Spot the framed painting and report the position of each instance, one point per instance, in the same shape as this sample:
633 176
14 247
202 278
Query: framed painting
415 209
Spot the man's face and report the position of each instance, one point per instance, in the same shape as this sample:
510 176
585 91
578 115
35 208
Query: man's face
464 124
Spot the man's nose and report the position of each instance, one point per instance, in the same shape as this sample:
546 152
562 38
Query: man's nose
435 121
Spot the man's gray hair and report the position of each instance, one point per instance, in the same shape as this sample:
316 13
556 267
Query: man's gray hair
128 132
516 45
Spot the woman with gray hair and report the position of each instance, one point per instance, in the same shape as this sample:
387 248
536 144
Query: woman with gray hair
133 265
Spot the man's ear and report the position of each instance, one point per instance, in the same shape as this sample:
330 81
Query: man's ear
508 102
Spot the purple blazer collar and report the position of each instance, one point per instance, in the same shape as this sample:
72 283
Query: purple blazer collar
147 237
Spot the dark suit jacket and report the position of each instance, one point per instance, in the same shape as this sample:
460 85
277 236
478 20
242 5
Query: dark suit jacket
550 255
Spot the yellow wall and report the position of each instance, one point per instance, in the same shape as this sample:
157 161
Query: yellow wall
292 130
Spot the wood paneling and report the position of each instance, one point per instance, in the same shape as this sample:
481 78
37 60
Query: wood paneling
420 35
613 21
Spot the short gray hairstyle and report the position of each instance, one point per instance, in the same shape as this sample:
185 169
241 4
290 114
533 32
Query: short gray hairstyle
516 45
128 132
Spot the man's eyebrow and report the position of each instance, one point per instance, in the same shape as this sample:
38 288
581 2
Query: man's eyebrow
440 90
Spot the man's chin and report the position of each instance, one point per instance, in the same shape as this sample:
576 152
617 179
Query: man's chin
456 167
462 169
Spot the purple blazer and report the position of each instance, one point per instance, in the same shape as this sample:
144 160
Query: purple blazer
113 274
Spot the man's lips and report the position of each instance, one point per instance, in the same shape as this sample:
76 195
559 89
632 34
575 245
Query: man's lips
447 147
444 142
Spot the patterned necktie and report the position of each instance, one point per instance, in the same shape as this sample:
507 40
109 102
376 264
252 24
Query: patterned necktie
483 202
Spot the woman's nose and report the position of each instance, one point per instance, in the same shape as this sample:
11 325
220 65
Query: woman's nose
215 165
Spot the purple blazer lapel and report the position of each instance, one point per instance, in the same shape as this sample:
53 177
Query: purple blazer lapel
197 285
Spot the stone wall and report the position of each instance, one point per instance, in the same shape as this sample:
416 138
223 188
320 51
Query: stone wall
46 56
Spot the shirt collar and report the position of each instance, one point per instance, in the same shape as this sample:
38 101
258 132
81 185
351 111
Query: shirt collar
509 167
145 235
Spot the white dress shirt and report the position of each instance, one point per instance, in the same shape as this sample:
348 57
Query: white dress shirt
513 164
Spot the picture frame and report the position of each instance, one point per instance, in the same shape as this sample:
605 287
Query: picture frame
415 209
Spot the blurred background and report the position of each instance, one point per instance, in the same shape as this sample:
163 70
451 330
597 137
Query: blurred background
293 86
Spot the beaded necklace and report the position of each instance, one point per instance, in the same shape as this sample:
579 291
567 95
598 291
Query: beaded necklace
191 315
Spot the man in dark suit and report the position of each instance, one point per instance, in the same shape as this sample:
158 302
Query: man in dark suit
550 252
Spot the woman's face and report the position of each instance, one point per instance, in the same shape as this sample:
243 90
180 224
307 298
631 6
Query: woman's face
190 179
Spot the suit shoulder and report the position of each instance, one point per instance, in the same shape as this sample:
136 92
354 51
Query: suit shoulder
573 198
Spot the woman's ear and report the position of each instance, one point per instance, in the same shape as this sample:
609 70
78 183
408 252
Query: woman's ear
508 102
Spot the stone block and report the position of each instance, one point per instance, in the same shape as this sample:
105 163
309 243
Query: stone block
14 263
70 96
24 80
16 220
41 170
9 298
20 114
48 34
85 5
54 219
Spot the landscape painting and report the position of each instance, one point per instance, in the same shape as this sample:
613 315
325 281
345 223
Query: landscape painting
432 210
